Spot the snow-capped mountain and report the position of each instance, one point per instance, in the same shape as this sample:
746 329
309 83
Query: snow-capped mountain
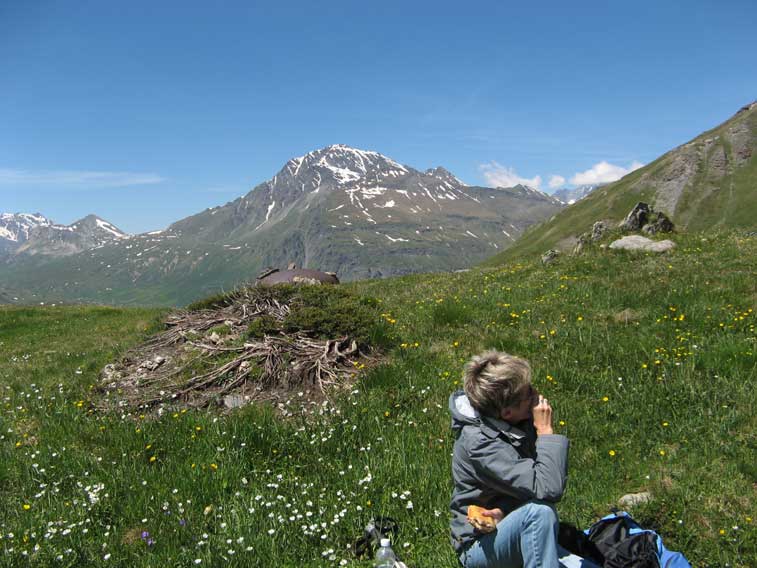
360 189
34 234
354 212
15 227
569 196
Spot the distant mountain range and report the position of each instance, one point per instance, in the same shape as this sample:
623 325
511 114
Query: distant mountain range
32 234
354 212
569 196
707 183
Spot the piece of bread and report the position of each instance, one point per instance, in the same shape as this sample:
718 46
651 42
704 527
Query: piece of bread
480 522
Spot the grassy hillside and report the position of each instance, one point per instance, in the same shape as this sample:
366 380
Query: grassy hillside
708 183
649 362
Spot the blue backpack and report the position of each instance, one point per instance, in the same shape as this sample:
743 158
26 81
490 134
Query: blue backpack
623 543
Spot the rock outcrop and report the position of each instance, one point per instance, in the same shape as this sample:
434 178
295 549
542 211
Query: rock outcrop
643 218
598 230
657 223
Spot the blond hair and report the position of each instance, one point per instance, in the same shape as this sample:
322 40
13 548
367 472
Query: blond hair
494 381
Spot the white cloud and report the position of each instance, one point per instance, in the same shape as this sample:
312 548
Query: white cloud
75 179
556 181
603 172
497 175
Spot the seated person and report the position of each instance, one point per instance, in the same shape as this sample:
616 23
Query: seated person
507 460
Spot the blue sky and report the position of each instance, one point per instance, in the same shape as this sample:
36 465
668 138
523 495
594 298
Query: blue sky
146 112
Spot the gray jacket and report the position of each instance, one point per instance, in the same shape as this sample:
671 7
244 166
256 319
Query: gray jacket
495 464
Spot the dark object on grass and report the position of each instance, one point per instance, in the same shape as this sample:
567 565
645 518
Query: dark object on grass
575 540
623 543
375 530
296 276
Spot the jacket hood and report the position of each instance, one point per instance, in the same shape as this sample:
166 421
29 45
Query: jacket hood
463 414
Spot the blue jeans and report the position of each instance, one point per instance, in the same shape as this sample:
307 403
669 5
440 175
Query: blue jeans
526 538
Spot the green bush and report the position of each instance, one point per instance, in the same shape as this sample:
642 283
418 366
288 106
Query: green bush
328 312
264 325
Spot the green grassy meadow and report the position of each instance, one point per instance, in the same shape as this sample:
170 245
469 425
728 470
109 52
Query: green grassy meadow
649 362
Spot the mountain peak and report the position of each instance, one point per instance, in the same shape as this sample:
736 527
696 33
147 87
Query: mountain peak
340 163
445 175
94 223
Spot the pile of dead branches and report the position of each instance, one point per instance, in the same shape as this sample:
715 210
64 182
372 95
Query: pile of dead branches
191 364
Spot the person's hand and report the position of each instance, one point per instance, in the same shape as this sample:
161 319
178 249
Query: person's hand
543 417
495 514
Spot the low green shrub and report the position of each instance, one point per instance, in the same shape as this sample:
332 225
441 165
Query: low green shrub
328 312
264 325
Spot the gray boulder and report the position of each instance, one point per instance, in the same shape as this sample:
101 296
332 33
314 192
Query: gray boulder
637 242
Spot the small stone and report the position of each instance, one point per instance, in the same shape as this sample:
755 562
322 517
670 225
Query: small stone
583 240
549 257
148 365
110 373
627 316
633 499
214 337
233 401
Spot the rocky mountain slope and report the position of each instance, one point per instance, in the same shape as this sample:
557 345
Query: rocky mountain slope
353 212
33 234
706 183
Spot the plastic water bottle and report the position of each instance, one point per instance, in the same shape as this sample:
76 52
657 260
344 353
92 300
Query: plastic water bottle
385 557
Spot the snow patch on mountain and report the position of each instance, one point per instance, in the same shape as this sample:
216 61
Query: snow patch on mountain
105 226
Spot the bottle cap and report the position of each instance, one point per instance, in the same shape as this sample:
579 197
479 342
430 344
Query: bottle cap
384 542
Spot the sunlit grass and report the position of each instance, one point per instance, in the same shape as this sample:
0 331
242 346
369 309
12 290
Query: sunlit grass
660 399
